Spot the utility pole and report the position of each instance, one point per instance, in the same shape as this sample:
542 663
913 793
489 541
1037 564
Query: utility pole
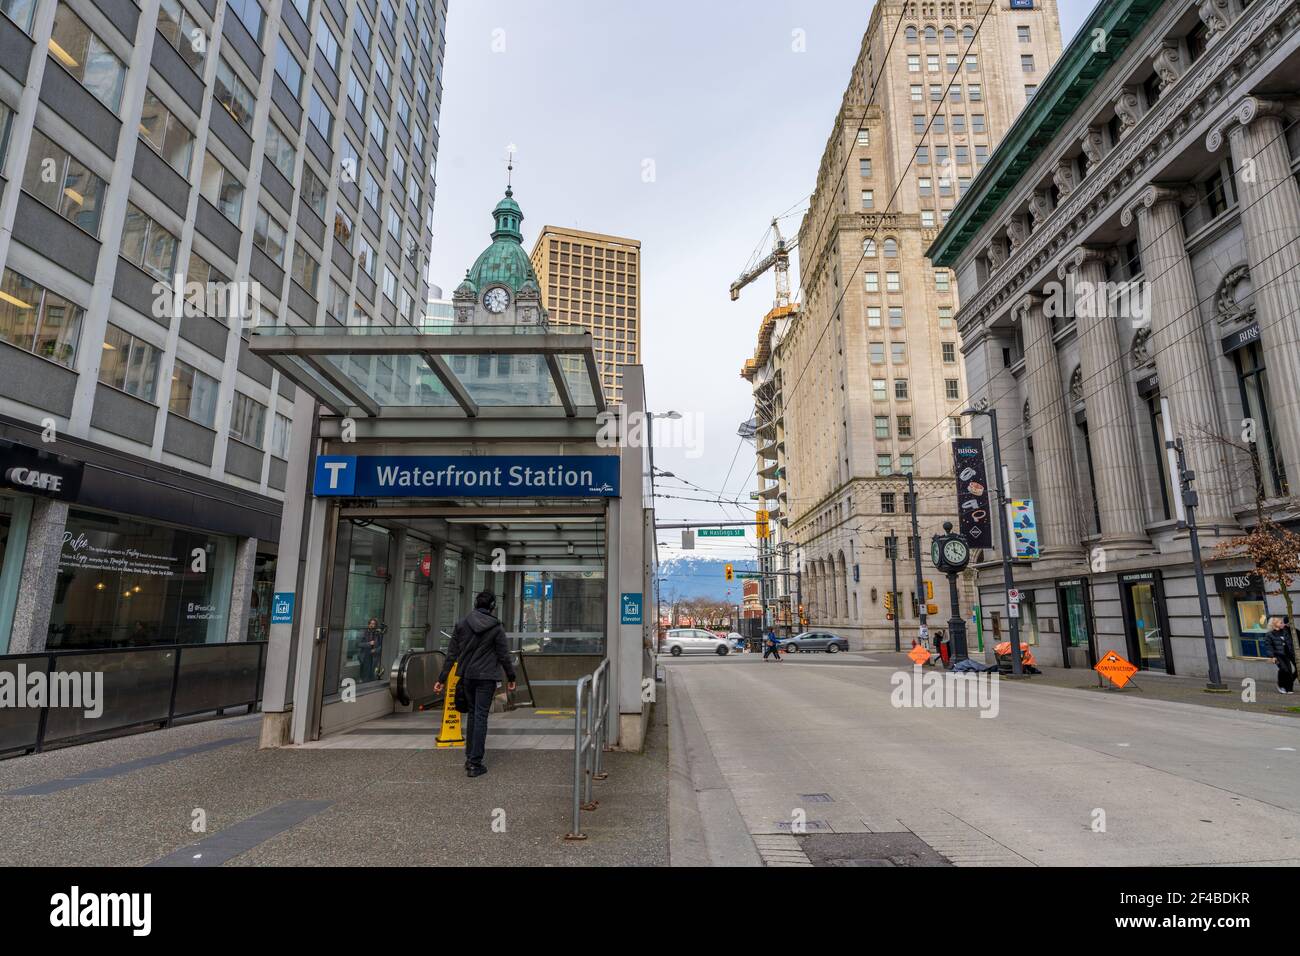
891 552
1187 500
923 632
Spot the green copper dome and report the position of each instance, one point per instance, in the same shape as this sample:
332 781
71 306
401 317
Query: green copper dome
504 262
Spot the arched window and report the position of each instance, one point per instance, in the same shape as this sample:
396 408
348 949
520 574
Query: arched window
868 247
968 33
949 35
911 34
931 35
891 248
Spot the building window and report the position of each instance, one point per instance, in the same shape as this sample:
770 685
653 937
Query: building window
280 151
1252 379
250 15
864 137
927 218
1218 195
945 317
166 134
247 420
891 248
959 124
882 426
193 395
871 281
949 352
952 62
219 187
887 503
925 185
370 189
941 280
287 68
868 247
878 390
918 93
893 282
932 63
306 270
895 316
366 255
74 192
981 154
955 429
972 63
877 350
864 168
320 115
129 363
357 91
974 92
1027 62
977 124
918 123
898 353
20 12
313 192
900 388
905 466
394 223
281 436
1030 90
1022 33
390 285
87 57
37 320
327 43
268 235
233 94
923 155
377 129
868 199
183 33
873 316
954 93
951 389
904 426
884 466
913 63
383 73
148 245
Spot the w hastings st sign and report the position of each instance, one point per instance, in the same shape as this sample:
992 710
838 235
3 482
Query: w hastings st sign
466 476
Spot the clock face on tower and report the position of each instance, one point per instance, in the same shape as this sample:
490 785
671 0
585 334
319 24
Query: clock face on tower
955 551
496 300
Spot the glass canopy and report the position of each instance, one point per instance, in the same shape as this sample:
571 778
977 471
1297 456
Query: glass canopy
445 369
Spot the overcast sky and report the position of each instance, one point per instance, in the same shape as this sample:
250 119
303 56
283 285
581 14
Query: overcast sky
686 125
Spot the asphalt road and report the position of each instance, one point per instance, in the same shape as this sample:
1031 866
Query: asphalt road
1057 777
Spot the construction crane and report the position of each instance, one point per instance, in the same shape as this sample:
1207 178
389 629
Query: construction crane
779 260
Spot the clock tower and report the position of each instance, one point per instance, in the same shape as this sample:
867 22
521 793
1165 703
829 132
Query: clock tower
501 288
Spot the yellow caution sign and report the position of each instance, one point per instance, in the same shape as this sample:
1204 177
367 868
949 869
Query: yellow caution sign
451 735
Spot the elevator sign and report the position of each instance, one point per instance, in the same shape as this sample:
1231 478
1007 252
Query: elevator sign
466 476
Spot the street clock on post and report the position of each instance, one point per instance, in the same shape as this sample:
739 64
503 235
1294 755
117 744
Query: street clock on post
949 552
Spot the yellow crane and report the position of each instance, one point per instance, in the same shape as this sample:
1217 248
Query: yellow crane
777 260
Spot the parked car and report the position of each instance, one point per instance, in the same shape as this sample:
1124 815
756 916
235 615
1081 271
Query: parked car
693 640
814 641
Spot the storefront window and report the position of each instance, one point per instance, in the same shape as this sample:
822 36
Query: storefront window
1246 612
1252 378
566 610
127 583
364 625
259 608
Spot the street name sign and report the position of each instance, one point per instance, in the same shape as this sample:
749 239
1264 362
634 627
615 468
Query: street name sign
721 532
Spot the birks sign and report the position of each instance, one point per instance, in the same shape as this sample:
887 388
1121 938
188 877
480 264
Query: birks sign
467 476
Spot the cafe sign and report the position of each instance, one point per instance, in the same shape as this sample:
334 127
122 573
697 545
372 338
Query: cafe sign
39 473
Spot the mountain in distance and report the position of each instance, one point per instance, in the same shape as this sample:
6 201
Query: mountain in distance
686 574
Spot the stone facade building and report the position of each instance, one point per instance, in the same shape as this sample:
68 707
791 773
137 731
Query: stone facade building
871 374
1130 253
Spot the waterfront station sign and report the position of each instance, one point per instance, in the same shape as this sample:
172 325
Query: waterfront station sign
466 476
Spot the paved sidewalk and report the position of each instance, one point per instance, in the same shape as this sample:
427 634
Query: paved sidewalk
1145 686
131 801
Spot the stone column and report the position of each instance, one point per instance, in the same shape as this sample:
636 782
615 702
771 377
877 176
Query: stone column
1049 422
1270 217
1105 396
1178 342
241 590
40 575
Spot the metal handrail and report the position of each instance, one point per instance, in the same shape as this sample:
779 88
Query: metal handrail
590 735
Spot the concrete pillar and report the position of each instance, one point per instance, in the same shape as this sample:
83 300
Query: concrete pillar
1105 396
1182 355
1049 422
40 576
241 589
1270 218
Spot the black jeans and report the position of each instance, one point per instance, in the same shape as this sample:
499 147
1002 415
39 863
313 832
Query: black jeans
480 694
773 651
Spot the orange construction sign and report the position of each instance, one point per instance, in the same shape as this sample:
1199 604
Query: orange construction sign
919 655
1115 669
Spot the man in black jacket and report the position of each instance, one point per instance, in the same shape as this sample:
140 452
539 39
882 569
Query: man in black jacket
478 646
1279 644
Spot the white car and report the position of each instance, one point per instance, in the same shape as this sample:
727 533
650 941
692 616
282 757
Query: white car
693 640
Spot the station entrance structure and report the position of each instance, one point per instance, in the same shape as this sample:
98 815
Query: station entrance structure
445 461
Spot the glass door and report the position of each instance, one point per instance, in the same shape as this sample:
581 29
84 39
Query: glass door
1145 622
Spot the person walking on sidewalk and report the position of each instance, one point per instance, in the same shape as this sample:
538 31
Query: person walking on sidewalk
769 646
1279 642
478 646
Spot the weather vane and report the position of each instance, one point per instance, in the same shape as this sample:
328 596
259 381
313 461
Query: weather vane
510 165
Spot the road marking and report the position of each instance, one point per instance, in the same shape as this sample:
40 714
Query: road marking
117 769
243 836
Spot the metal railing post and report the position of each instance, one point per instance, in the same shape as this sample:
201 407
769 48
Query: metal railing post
579 760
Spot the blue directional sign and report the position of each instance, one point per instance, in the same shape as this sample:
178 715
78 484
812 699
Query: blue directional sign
466 476
631 604
282 607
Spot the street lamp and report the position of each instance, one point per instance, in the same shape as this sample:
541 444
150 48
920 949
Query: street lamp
1008 580
649 418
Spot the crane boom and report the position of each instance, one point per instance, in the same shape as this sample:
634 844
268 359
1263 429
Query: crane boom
779 260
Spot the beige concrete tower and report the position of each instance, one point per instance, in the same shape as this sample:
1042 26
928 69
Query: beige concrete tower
593 280
873 377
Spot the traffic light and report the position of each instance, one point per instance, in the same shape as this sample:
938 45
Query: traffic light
763 528
889 602
729 573
929 591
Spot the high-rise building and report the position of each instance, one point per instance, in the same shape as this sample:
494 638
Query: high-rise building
173 172
872 379
593 280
